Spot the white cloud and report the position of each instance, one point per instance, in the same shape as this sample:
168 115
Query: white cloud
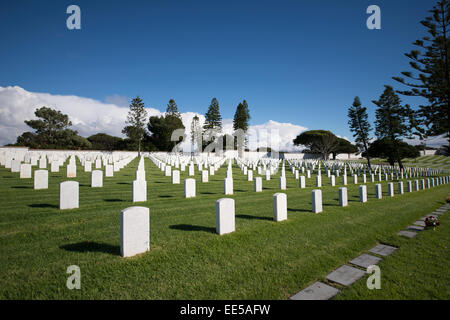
435 142
91 116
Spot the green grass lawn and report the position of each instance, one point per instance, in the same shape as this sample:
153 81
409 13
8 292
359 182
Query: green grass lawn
188 260
435 162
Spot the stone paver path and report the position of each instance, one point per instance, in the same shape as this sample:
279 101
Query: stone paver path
345 275
383 250
365 260
409 234
316 291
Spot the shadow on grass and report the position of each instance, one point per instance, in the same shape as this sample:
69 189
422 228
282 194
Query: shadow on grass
87 246
43 205
207 193
22 187
298 210
246 216
330 204
114 200
165 196
189 227
123 182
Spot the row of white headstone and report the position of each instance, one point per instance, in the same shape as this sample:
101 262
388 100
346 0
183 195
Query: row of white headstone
135 223
343 197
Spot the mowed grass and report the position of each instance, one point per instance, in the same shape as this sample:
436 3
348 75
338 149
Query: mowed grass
188 260
435 162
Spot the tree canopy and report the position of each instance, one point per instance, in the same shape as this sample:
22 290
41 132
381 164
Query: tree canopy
136 118
51 132
360 126
431 78
318 141
385 148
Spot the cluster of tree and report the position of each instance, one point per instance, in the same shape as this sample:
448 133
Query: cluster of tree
165 132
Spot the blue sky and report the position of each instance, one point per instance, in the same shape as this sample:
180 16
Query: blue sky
300 62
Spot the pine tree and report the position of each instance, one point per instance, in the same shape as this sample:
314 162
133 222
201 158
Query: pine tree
136 120
392 120
213 121
241 117
172 109
432 81
360 126
196 132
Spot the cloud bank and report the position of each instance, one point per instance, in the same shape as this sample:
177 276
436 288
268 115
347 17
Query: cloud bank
91 116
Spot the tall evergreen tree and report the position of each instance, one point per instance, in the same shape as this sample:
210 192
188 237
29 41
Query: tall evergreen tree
136 119
172 109
196 132
213 122
360 126
431 64
392 120
241 117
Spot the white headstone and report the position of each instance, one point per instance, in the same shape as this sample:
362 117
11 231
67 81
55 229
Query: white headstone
189 188
391 189
139 190
54 166
249 175
15 165
168 171
378 191
282 183
318 181
204 175
400 187
175 176
25 171
87 166
302 182
134 231
71 171
343 198
68 195
228 186
363 193
279 207
41 179
409 186
225 216
316 198
258 184
97 179
109 170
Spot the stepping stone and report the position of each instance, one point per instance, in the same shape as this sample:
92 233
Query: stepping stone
420 223
345 275
408 234
415 228
365 260
316 291
383 250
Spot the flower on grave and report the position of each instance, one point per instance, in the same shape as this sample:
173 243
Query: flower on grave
432 222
